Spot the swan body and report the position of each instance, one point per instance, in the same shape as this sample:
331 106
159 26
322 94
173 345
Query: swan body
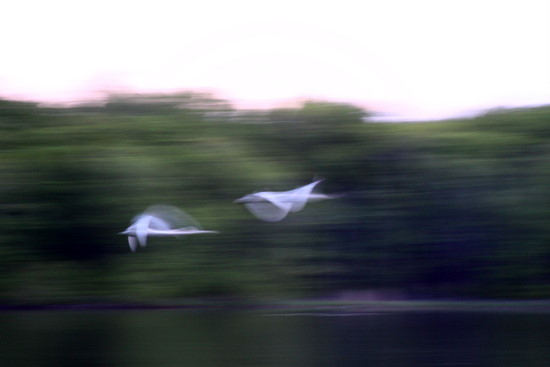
273 206
158 221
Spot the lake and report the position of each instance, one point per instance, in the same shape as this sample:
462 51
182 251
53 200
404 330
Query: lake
102 338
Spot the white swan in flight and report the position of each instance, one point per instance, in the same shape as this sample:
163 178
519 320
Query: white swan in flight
273 206
160 221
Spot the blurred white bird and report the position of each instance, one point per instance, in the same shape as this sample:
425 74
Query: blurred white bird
160 221
273 206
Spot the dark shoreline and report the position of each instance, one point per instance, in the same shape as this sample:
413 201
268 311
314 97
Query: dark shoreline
305 306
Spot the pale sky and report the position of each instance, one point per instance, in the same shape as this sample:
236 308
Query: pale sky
409 58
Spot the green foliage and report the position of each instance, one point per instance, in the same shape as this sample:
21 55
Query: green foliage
453 208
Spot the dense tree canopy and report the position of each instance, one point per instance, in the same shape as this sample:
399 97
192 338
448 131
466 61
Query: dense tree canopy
452 208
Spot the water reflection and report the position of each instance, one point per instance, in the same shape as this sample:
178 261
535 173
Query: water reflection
177 338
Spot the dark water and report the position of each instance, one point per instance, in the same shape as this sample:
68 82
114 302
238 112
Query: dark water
182 338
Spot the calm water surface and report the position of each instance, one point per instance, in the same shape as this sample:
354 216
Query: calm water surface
194 339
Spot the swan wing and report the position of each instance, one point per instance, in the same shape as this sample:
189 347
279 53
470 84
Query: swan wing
142 228
275 199
133 243
268 211
298 197
158 223
166 217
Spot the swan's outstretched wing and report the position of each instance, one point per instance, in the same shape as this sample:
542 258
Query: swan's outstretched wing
159 223
133 243
169 217
142 227
268 211
298 197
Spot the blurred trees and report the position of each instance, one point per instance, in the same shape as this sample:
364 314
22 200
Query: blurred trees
453 208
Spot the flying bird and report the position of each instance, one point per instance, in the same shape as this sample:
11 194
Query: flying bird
273 206
160 221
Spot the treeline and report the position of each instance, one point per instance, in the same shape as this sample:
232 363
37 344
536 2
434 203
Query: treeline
454 208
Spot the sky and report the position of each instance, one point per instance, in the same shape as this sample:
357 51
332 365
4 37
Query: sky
405 59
